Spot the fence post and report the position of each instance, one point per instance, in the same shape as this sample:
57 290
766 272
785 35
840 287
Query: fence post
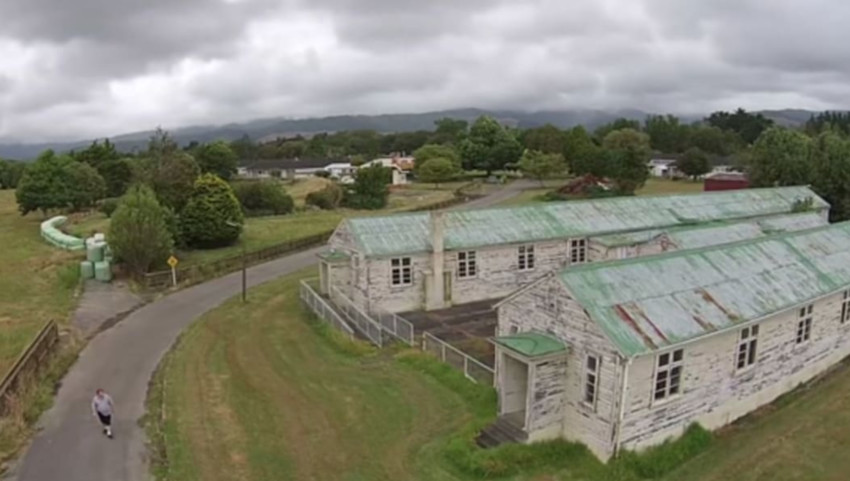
466 366
443 348
395 325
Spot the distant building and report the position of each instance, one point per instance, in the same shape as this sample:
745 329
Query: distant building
401 166
296 168
664 168
625 355
726 181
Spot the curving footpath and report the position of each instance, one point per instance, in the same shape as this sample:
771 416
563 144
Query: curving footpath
70 446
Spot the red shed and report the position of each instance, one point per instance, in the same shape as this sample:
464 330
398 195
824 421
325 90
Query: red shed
726 181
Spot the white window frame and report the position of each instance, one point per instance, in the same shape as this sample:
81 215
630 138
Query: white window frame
401 268
578 251
805 317
591 380
667 382
525 257
845 308
747 353
467 264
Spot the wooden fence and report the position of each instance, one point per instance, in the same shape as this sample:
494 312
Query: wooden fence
30 363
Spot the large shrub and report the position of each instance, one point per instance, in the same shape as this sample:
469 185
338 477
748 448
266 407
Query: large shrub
263 198
138 233
437 170
85 186
212 216
217 158
370 189
328 198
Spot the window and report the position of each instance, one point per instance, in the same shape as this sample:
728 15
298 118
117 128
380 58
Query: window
402 271
668 376
845 307
747 347
526 258
578 251
591 378
804 324
466 266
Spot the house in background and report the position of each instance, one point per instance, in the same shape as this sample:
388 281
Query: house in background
342 171
664 168
401 166
726 181
297 168
422 261
627 354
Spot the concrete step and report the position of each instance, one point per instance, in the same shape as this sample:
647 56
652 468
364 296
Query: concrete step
500 432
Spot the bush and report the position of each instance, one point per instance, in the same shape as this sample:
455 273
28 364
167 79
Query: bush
259 198
212 216
370 189
328 198
138 232
108 206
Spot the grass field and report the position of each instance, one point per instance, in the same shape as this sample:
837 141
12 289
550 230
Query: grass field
653 186
37 281
257 393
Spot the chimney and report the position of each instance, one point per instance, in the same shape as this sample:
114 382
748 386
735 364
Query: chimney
435 295
437 219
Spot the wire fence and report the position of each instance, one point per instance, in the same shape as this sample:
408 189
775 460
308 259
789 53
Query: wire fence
397 326
361 321
321 308
472 368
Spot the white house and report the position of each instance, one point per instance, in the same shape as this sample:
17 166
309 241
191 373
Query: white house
663 167
400 165
626 354
297 168
340 170
418 261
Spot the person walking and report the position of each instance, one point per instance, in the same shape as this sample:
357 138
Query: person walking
102 408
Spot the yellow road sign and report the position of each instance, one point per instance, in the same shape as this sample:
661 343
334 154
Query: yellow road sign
172 261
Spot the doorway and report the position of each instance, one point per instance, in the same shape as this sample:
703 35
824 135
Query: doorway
514 390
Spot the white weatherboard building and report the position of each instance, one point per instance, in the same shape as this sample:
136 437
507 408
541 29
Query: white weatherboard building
626 354
417 261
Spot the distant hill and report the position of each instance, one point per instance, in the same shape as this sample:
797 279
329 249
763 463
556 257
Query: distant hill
267 129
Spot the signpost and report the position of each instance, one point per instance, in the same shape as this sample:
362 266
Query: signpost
172 261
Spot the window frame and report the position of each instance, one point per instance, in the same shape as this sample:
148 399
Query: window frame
526 258
845 308
805 318
746 352
672 369
467 261
591 377
578 251
401 266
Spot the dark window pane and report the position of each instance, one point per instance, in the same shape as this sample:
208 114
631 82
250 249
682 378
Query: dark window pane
664 359
677 355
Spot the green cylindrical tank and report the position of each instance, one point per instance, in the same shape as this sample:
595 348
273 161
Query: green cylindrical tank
108 256
102 271
86 270
94 252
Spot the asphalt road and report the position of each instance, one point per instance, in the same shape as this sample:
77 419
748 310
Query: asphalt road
70 445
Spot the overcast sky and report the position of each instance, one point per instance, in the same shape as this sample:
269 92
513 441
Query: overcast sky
85 68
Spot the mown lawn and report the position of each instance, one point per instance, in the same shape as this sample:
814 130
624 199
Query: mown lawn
37 280
653 186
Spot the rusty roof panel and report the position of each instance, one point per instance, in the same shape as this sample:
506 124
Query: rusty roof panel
683 295
469 229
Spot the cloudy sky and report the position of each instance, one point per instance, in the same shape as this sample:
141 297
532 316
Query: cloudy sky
84 68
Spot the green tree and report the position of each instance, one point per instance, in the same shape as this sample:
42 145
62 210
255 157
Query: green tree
666 134
489 146
370 189
694 163
748 126
244 148
84 186
618 124
582 154
212 216
10 173
540 165
449 131
628 154
830 159
44 185
435 151
97 153
780 157
216 158
266 197
118 175
715 141
547 139
138 233
437 170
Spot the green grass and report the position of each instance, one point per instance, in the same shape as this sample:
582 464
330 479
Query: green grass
653 186
37 284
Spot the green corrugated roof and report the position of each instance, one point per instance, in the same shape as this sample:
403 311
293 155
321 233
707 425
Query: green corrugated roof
722 232
648 303
464 229
334 255
531 344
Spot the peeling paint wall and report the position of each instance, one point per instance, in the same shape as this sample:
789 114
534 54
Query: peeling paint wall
715 393
548 307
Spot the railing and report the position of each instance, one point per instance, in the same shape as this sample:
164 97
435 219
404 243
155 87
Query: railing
321 308
200 272
396 326
30 362
361 321
472 368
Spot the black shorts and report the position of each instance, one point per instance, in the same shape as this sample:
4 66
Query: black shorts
106 420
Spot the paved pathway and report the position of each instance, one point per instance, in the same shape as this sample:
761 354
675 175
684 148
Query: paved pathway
121 360
102 304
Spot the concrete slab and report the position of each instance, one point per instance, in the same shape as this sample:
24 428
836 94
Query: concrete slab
102 304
